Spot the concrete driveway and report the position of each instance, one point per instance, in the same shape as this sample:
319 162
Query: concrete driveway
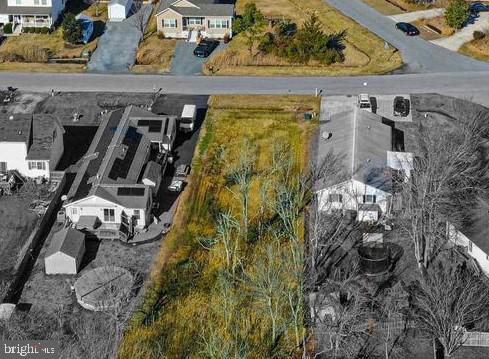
185 63
117 47
419 56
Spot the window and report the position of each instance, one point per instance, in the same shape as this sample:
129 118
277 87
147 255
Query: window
335 197
218 24
109 215
37 165
170 23
74 211
194 21
137 214
470 246
18 2
3 167
36 2
369 198
44 2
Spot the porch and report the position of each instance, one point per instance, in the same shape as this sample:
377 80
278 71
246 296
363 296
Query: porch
21 21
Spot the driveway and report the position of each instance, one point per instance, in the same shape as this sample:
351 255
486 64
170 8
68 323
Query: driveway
419 55
185 63
416 15
466 34
117 47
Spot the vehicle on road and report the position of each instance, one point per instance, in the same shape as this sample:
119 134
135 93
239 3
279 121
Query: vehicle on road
479 7
364 102
401 106
407 28
205 48
182 171
176 185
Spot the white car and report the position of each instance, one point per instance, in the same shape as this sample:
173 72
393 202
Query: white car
176 186
364 102
182 171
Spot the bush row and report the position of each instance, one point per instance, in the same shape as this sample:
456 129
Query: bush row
36 30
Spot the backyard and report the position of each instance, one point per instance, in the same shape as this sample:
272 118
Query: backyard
364 52
184 305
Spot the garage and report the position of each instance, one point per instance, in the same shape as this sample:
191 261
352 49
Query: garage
119 9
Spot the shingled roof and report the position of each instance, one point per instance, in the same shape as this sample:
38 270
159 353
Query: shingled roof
200 8
68 241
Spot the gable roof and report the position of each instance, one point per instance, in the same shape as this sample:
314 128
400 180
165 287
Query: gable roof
361 140
24 10
201 8
68 241
43 127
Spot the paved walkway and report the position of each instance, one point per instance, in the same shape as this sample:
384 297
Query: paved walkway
416 15
117 47
420 56
456 41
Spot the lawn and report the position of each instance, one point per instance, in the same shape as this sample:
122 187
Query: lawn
31 52
184 304
478 49
394 7
154 54
365 53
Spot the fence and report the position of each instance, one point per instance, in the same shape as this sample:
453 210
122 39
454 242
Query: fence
476 339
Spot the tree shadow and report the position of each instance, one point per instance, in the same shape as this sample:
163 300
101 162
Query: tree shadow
336 41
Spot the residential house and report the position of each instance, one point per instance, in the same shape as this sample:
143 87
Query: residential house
109 184
30 13
30 144
186 19
65 253
363 145
474 234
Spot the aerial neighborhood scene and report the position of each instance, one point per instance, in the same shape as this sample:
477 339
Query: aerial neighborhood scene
225 179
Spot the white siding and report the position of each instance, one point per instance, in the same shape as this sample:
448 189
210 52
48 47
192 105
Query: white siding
475 252
14 153
60 263
352 192
28 3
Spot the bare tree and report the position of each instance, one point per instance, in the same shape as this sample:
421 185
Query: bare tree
139 16
446 301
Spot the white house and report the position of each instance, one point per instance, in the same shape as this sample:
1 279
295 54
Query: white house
30 144
474 236
118 10
112 183
31 13
65 253
364 145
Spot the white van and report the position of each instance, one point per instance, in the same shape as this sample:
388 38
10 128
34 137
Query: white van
188 117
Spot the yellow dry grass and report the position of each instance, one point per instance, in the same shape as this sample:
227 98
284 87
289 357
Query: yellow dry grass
365 53
478 49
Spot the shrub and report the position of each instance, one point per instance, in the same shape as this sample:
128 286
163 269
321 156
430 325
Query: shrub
7 28
226 38
252 16
160 35
457 13
72 29
479 35
45 30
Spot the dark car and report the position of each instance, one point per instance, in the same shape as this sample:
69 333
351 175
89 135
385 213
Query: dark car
401 106
479 7
205 48
407 28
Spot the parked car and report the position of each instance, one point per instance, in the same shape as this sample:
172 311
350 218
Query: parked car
205 48
176 185
364 102
407 28
401 106
479 7
182 171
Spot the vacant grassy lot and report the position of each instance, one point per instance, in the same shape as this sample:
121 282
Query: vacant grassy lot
364 52
185 306
478 49
154 54
31 52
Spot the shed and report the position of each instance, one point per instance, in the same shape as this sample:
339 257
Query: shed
118 10
65 253
152 175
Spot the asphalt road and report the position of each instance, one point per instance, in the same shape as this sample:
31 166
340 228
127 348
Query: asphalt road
419 56
468 83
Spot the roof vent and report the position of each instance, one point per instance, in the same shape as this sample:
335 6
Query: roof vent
19 132
326 135
76 116
11 117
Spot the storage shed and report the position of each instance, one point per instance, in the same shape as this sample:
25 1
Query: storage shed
65 253
119 9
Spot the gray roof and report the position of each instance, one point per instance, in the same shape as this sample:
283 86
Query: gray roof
476 228
115 160
361 140
68 241
152 171
202 8
87 222
23 10
16 130
42 136
140 119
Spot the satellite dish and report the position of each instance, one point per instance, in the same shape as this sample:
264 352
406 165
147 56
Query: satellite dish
64 197
326 135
